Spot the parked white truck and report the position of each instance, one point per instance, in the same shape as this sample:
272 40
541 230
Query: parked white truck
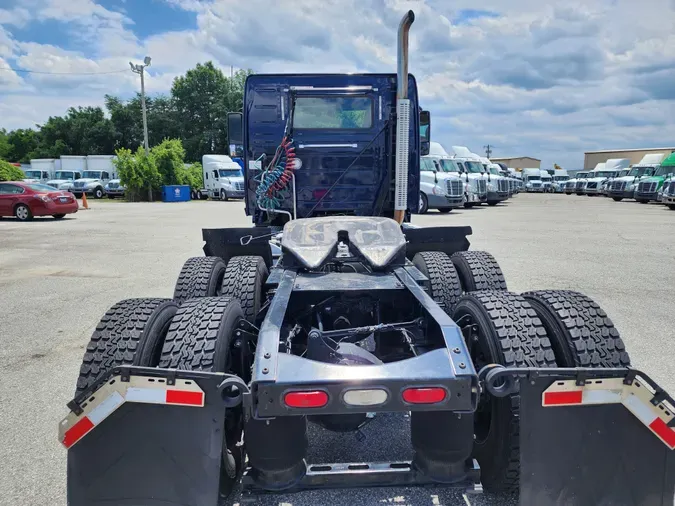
560 178
499 188
473 175
546 181
223 178
452 164
624 187
602 173
72 168
497 185
41 170
100 170
532 180
440 185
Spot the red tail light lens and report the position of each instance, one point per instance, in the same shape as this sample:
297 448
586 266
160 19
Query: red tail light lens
428 395
318 194
306 399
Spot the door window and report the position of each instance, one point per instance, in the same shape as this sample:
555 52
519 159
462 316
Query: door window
10 189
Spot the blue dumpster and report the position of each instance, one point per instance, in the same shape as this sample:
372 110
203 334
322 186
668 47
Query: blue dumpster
176 193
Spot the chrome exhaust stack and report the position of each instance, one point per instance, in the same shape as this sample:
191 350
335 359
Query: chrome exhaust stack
402 118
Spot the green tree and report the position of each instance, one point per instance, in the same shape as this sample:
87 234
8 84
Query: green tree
83 131
138 172
203 97
9 172
127 120
23 142
6 147
169 156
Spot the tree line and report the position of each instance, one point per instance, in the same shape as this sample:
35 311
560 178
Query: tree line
195 113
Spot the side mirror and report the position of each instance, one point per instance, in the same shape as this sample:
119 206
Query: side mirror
425 132
235 133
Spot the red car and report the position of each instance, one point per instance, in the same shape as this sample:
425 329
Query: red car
25 200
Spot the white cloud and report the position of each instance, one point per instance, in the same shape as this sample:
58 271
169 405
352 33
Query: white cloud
547 80
18 16
9 80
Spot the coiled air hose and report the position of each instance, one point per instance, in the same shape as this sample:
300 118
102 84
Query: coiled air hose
273 181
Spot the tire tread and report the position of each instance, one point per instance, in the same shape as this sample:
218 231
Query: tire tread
479 271
588 332
195 278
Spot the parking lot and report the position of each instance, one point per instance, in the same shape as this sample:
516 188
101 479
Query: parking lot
58 277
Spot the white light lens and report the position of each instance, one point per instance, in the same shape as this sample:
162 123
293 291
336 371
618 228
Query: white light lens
370 397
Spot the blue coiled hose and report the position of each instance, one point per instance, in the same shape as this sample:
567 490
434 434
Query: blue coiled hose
266 196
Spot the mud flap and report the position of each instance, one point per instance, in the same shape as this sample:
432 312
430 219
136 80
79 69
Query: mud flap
446 239
231 242
149 454
584 455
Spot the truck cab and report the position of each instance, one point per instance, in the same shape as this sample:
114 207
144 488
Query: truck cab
64 179
499 188
624 187
92 183
223 178
317 145
649 189
546 181
668 193
36 176
440 185
604 172
532 180
560 178
472 173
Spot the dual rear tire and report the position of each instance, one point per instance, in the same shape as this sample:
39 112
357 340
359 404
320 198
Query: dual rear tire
536 329
242 278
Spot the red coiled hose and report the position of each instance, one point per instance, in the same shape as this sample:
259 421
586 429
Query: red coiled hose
289 167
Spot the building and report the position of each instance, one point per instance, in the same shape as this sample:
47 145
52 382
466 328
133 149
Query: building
592 158
519 162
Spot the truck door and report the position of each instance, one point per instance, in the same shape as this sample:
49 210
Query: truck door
340 141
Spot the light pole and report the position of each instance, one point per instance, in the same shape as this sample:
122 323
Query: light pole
140 69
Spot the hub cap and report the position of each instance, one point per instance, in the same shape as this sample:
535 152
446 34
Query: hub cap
22 213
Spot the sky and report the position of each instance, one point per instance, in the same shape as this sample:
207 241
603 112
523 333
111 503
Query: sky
543 78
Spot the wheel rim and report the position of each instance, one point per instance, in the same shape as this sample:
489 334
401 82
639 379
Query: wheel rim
421 204
22 213
481 356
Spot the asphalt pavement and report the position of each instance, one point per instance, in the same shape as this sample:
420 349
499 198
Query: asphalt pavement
57 278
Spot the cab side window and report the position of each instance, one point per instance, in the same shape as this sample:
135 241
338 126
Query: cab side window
105 175
427 165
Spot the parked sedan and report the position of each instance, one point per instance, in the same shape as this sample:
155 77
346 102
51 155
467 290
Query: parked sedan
114 189
26 200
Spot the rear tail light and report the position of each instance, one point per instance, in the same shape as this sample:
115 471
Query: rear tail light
370 397
43 198
426 395
318 194
306 399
